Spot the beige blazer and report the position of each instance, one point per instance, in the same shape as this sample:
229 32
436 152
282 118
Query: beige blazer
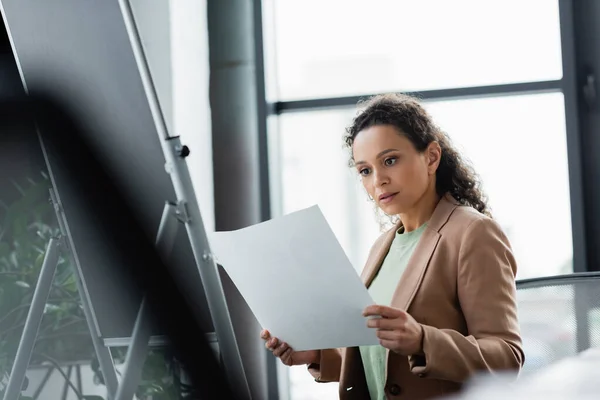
460 285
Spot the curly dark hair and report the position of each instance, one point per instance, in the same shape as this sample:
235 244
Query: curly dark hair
454 174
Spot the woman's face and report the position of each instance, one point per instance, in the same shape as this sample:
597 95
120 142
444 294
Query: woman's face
393 172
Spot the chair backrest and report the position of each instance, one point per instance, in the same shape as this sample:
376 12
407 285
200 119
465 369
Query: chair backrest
559 317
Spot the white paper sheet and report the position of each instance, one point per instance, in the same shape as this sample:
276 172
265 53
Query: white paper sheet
298 281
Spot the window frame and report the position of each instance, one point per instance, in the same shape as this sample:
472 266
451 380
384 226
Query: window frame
568 85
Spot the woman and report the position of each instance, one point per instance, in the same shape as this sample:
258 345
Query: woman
443 278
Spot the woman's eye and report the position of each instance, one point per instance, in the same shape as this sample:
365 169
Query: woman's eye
364 171
390 161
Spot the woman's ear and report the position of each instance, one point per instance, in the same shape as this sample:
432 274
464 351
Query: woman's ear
434 155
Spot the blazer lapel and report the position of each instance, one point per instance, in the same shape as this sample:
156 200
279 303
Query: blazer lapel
375 261
417 265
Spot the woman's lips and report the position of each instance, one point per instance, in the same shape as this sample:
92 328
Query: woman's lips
387 198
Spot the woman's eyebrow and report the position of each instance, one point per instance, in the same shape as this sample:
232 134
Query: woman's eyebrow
382 153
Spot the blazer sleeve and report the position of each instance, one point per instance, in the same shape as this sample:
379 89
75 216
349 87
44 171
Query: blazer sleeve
487 297
329 367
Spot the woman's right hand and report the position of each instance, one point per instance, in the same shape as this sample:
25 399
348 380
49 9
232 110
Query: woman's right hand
286 354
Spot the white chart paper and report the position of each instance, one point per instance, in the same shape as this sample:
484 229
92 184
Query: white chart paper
298 281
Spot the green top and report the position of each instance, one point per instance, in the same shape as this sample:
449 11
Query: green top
381 290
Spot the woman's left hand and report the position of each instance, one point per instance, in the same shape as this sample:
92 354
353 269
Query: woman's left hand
396 329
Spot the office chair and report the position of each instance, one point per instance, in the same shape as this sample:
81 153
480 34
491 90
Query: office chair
559 317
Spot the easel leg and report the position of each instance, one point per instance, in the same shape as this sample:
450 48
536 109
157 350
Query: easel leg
34 319
138 349
136 356
105 359
107 366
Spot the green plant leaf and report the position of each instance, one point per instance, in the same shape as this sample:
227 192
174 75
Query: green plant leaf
13 259
4 249
22 284
93 397
39 260
49 308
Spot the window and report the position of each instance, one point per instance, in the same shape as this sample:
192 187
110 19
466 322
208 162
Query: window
330 48
321 175
517 144
341 49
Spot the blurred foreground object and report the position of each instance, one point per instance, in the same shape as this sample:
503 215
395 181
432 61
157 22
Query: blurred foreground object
571 378
138 265
99 66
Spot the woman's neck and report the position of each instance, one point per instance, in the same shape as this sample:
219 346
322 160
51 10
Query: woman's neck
421 212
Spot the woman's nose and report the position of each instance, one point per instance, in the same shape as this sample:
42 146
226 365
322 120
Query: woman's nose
380 177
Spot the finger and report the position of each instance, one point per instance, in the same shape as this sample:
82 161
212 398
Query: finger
394 336
389 344
386 323
286 357
383 311
280 350
272 343
264 334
